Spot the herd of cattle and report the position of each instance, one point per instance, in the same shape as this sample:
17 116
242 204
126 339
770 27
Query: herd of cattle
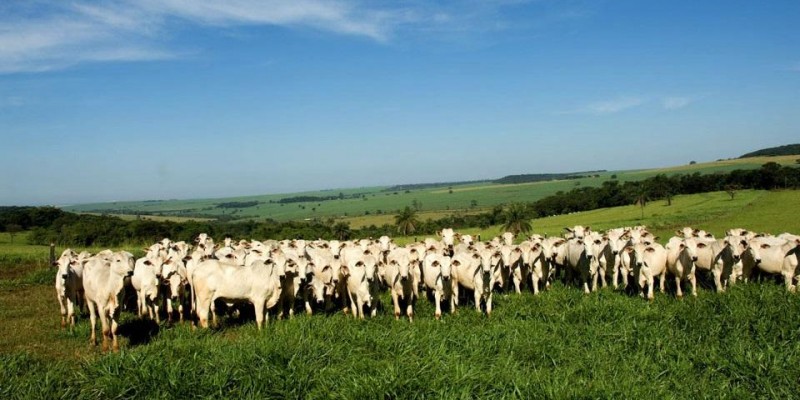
282 275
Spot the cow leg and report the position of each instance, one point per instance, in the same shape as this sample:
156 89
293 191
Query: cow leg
104 326
437 295
410 310
489 305
259 305
716 270
693 281
140 304
662 279
169 309
478 298
678 292
202 311
787 279
93 319
396 303
585 279
61 303
594 281
113 331
71 314
352 303
155 312
535 282
650 283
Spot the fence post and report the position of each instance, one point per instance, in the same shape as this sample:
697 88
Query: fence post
52 253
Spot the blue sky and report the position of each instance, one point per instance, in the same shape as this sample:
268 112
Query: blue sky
156 99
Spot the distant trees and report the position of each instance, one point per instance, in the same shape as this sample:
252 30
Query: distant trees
13 230
341 231
517 219
64 228
406 221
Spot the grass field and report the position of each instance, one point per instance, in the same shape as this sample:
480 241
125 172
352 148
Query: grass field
468 197
742 343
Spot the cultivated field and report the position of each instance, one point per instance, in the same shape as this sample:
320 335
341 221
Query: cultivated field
378 203
562 343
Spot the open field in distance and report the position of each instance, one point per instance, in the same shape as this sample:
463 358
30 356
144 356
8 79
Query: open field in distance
467 197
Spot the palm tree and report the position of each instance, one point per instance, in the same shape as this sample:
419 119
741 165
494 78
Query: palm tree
641 198
406 221
516 219
341 230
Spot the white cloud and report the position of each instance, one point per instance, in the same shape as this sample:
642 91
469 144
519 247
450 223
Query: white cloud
129 30
677 102
614 105
41 36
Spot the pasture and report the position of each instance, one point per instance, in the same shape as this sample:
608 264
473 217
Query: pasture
562 343
379 203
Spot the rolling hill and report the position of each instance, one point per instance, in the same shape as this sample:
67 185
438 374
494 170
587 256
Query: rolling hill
364 206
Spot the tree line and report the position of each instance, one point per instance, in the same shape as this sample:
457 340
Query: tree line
52 224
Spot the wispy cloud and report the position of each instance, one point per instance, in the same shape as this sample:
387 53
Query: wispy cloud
133 30
678 102
674 103
610 106
42 36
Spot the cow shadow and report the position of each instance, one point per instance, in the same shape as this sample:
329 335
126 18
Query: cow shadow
139 331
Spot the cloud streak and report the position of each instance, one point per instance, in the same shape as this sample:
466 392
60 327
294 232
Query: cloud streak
128 30
610 106
44 36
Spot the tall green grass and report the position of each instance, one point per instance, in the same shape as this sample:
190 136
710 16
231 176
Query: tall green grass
744 343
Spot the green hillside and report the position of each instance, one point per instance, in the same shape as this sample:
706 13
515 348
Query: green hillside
373 201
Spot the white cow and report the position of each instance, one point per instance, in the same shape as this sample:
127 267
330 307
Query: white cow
508 238
577 232
580 259
437 277
400 278
258 283
362 285
649 261
514 268
146 280
173 273
103 282
727 263
681 258
475 271
69 285
776 255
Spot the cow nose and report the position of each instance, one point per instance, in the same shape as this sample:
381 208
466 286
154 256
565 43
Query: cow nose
736 257
694 258
64 276
638 264
319 301
615 252
758 260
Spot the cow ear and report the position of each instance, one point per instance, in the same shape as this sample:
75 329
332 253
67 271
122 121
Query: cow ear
567 229
679 233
